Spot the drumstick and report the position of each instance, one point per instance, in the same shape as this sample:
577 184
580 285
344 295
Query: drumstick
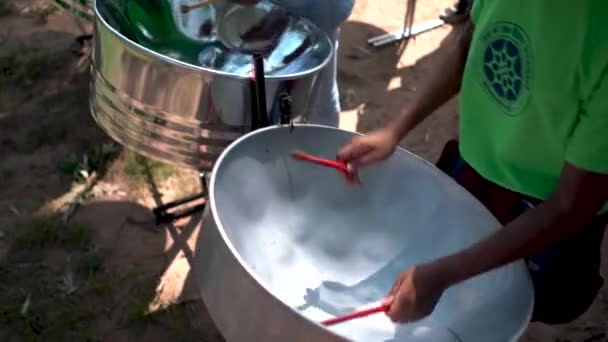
187 8
341 166
355 315
318 160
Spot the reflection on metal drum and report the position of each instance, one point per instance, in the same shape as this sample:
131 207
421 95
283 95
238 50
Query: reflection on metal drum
285 245
155 101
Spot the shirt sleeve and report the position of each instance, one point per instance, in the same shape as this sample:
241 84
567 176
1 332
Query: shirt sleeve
588 145
476 9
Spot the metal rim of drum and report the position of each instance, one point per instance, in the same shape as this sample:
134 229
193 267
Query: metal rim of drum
176 62
251 273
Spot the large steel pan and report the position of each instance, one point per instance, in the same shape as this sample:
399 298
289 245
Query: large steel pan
285 244
176 86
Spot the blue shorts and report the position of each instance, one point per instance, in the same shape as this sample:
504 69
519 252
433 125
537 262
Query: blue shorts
327 15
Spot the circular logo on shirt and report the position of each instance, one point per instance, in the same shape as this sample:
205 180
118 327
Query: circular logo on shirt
506 60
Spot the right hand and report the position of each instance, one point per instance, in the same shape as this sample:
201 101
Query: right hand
369 149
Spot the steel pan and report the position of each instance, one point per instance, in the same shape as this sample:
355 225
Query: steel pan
285 244
176 87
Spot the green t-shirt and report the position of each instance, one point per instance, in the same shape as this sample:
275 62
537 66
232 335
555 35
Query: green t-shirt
535 92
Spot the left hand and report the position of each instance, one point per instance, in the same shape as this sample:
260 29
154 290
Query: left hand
415 294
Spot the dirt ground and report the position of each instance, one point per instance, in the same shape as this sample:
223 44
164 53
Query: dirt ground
80 256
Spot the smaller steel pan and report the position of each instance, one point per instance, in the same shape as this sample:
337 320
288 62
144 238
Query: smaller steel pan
176 86
285 244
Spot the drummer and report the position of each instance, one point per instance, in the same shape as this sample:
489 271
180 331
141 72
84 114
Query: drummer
532 146
327 15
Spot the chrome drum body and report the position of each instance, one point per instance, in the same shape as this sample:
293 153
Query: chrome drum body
186 112
285 244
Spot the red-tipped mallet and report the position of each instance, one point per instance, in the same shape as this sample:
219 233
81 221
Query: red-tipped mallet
342 166
355 315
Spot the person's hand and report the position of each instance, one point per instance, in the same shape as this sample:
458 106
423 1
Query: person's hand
371 148
415 294
451 16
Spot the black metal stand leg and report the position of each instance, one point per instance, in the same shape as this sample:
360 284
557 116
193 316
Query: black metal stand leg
461 6
162 214
259 119
400 35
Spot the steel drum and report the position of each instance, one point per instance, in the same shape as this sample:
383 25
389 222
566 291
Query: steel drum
285 244
176 86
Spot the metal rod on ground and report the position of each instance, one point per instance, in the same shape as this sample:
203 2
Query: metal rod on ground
162 215
415 29
409 16
396 36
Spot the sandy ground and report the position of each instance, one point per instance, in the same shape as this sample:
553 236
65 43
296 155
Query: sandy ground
144 290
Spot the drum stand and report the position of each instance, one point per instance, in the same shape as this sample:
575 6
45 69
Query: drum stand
162 213
410 30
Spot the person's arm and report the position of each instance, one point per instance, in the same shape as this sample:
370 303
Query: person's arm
579 196
581 192
442 82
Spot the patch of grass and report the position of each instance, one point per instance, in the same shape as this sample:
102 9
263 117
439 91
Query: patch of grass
45 134
41 299
38 233
6 8
141 168
4 107
34 303
140 299
140 312
43 232
6 174
96 160
67 320
91 263
178 320
24 66
26 296
76 238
